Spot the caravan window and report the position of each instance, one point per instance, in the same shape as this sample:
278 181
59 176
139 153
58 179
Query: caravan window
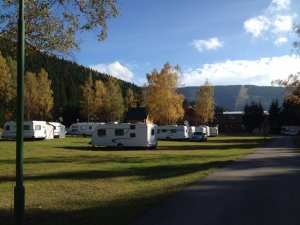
119 132
152 131
164 130
101 132
90 127
132 127
26 127
173 131
7 127
37 127
158 131
132 135
83 127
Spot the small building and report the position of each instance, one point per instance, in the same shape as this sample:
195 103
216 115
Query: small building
230 122
138 115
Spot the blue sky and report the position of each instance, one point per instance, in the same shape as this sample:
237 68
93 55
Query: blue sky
227 42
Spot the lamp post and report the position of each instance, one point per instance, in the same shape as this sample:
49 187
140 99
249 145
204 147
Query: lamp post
19 190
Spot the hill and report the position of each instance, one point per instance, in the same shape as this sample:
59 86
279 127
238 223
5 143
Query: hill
66 78
228 98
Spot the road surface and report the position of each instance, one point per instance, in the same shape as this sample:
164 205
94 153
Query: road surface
262 188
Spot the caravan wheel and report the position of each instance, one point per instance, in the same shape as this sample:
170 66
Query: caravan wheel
119 146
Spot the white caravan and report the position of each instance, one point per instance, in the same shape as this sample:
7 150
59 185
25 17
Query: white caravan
125 135
32 130
82 129
172 132
191 130
214 131
203 129
59 129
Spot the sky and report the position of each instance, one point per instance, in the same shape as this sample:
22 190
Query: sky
227 42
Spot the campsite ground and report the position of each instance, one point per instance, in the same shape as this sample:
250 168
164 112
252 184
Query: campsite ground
69 182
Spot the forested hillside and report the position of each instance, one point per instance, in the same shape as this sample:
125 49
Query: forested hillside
234 97
66 80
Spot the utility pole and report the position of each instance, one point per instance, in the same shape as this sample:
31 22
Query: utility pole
19 190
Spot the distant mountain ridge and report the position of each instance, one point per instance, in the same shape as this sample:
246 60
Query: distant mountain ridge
234 97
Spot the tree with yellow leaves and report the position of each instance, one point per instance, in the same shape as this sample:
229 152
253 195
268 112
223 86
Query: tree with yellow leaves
205 106
38 96
87 107
6 89
164 105
130 99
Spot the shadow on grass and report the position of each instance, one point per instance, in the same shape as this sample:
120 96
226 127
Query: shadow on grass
213 198
143 173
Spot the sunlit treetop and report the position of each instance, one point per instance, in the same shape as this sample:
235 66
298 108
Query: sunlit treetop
52 25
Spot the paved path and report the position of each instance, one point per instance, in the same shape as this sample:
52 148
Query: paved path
263 188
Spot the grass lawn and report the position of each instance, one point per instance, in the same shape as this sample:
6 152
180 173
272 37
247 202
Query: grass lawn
69 183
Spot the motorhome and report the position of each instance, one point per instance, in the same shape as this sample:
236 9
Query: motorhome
82 129
125 135
32 130
59 129
172 132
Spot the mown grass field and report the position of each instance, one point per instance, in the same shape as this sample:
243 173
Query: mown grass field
68 182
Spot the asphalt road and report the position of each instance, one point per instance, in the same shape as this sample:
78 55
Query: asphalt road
263 188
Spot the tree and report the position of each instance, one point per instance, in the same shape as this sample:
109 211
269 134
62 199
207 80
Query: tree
205 106
290 113
275 116
164 105
87 106
52 25
253 116
100 100
115 102
130 100
45 95
6 90
292 85
31 96
38 97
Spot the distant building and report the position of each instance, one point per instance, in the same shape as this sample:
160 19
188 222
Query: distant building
138 115
230 122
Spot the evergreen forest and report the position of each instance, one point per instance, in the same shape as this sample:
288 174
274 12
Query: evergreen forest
66 80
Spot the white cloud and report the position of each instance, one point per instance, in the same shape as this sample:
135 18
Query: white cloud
210 44
275 22
279 5
257 25
282 24
256 72
280 41
115 69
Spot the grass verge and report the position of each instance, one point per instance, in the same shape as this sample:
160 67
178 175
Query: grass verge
67 182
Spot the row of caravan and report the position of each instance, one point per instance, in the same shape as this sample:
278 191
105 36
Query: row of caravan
142 135
175 132
35 130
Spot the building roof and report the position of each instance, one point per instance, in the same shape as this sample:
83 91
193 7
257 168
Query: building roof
138 113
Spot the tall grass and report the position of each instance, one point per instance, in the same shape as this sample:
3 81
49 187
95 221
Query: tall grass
68 182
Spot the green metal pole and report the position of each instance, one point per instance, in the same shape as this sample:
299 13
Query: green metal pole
19 190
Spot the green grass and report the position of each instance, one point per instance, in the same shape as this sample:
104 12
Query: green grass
67 182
